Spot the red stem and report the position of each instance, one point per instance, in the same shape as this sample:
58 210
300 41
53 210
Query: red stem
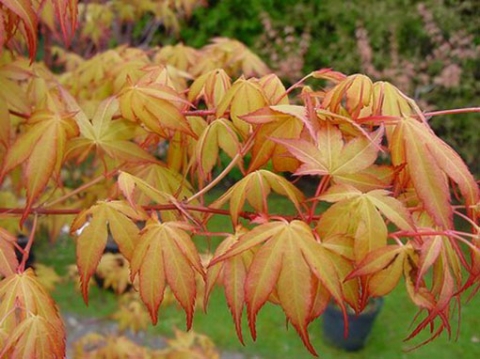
320 189
159 207
28 247
453 111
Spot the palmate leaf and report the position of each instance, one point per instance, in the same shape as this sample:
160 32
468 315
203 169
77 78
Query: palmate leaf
244 97
161 178
274 90
363 220
165 254
434 301
231 273
66 13
211 87
383 269
219 134
355 91
286 263
428 179
283 122
20 11
430 162
41 148
135 188
22 298
92 240
181 147
255 188
109 137
179 56
10 90
36 338
331 154
155 105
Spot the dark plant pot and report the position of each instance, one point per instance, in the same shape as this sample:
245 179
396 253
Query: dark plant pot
22 241
360 326
111 247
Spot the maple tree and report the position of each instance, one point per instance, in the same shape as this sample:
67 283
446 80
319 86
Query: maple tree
127 142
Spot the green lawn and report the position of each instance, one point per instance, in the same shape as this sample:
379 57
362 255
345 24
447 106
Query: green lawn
275 341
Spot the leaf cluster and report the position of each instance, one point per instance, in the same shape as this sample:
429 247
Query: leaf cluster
145 137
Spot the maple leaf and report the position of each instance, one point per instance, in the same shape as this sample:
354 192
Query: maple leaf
211 87
277 122
255 188
156 105
61 17
8 259
355 91
179 56
113 270
98 346
363 220
383 268
35 337
110 137
92 240
244 97
435 301
132 314
430 162
163 179
189 345
165 254
41 148
332 155
219 134
274 90
231 55
181 148
231 273
276 266
10 90
20 11
373 177
390 101
136 189
22 298
47 276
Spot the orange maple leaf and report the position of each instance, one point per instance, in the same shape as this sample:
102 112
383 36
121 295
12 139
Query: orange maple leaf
255 188
231 273
332 155
41 148
286 263
92 240
165 254
32 318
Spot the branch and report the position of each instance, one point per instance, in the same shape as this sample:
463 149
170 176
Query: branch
19 114
159 207
453 111
26 251
233 162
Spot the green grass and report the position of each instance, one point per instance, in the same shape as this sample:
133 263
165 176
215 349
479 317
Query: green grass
274 340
